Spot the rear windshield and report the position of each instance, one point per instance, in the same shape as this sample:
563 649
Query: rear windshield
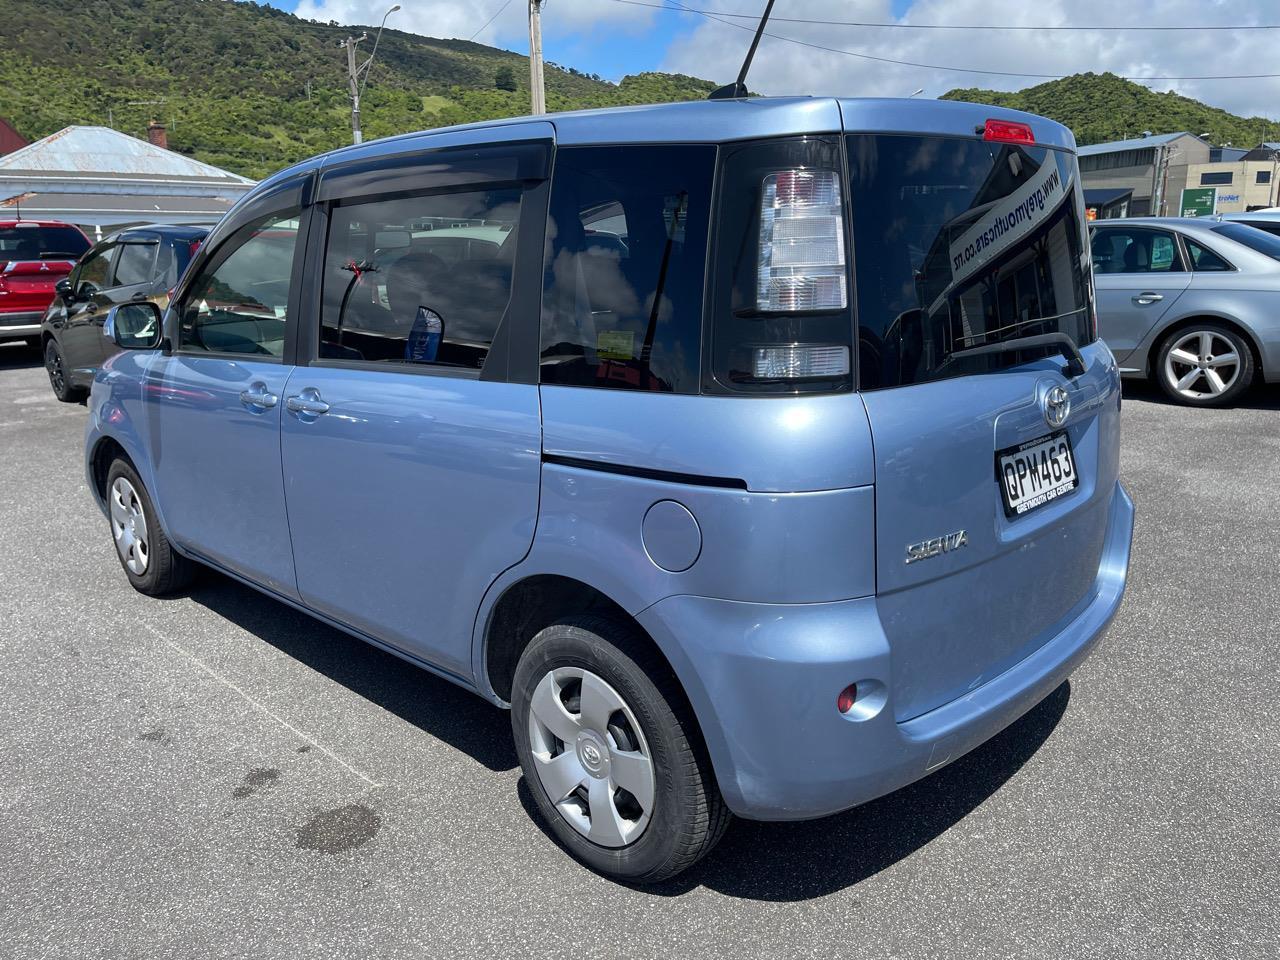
41 243
960 243
1251 237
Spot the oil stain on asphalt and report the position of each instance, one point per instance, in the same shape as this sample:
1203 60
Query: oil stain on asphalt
339 830
254 780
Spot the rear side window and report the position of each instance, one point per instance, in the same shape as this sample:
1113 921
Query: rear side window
419 280
135 263
1203 259
41 243
960 243
622 293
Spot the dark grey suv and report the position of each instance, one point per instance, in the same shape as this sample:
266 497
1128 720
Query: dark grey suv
140 263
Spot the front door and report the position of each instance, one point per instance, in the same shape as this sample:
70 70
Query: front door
80 335
1139 274
217 401
411 471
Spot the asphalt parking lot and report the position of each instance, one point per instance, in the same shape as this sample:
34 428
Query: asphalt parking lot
217 775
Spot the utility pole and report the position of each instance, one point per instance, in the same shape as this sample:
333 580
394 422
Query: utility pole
355 85
537 92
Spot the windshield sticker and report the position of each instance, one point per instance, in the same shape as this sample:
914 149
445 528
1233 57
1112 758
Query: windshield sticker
1008 221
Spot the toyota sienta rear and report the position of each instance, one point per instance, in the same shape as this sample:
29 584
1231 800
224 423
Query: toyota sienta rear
759 454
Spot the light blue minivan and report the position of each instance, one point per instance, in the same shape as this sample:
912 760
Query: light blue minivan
759 454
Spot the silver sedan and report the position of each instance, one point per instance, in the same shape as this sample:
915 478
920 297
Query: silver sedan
1193 303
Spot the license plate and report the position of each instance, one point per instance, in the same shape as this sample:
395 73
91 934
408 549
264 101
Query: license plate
1035 473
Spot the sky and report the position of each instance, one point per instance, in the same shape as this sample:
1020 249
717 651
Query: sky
613 38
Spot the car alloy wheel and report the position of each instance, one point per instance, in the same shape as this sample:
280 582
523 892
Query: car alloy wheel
53 365
591 757
1202 365
129 526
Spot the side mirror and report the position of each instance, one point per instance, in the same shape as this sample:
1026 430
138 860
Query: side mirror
133 326
63 289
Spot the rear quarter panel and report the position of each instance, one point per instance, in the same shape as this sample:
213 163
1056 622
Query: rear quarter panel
1250 301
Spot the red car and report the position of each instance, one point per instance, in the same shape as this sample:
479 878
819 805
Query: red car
34 256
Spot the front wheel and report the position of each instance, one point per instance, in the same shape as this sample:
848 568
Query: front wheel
611 752
148 559
1208 365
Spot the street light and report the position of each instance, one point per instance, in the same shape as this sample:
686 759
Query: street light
358 76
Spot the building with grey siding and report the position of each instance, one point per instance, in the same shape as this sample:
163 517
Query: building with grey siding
1154 168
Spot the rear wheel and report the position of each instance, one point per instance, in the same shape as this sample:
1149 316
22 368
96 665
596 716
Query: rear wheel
1207 365
59 377
148 559
611 752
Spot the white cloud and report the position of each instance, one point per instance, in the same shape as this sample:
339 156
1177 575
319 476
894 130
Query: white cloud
460 19
715 51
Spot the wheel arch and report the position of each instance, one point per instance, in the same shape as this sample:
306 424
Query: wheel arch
534 601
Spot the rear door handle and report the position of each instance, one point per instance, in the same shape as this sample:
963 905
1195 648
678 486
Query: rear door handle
257 396
1144 299
307 402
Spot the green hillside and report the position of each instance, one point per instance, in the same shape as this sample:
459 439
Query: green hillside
1102 106
252 89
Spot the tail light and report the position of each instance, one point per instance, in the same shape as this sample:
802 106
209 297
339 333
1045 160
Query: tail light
1008 131
193 247
781 318
802 262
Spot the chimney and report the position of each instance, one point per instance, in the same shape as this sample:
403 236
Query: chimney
156 135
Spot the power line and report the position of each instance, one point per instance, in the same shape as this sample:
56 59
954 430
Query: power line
947 26
495 16
678 8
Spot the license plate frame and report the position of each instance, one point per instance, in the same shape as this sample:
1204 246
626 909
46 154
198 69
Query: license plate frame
1047 452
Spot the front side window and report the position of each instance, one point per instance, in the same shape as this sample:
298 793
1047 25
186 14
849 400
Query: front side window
94 273
135 264
419 280
1135 250
622 293
959 243
239 301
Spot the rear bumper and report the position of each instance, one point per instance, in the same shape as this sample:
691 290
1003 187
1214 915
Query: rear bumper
764 678
20 324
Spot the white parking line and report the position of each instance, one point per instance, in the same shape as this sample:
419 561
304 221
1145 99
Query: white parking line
254 703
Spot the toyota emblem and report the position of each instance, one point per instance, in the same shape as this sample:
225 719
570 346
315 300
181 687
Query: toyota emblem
1057 405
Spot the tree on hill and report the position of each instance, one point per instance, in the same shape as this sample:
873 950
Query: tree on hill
504 78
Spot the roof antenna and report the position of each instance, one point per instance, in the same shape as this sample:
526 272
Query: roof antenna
738 88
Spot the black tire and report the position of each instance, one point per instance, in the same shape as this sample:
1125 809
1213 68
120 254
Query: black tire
166 571
1199 393
688 815
59 377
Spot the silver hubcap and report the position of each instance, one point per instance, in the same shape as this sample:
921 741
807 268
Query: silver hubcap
1201 364
129 526
591 757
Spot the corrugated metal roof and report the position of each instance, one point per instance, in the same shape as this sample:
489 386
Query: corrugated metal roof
102 151
1137 143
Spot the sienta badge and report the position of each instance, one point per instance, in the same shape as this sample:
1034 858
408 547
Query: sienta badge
424 339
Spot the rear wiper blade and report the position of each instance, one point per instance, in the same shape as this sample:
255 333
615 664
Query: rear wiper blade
1059 341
